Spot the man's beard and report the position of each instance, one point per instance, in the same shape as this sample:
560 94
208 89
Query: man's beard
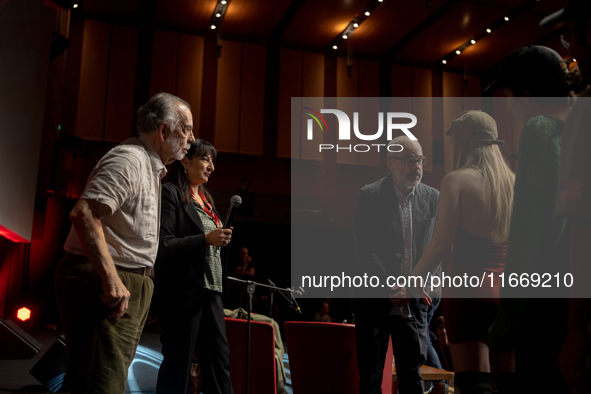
177 147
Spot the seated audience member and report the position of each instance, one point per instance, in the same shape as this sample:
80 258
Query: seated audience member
322 314
245 266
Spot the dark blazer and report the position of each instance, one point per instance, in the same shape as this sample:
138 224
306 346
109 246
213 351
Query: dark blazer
179 268
379 245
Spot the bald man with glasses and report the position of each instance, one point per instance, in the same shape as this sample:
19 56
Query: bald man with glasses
394 222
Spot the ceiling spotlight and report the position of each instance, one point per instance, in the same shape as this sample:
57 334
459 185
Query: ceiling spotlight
334 47
488 30
356 25
506 18
345 36
444 61
380 1
458 52
75 6
213 27
218 15
366 13
574 60
473 42
224 1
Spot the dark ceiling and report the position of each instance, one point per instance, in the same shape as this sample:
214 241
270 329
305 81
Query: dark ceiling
419 32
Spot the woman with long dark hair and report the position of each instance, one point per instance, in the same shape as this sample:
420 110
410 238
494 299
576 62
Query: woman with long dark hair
191 277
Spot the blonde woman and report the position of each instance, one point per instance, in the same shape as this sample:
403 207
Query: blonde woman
474 214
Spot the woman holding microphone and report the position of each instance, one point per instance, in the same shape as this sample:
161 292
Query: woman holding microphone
192 277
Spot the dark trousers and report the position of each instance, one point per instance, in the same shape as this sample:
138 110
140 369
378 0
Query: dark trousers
432 357
182 335
409 343
99 350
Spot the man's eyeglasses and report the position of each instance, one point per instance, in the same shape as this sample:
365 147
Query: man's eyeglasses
410 161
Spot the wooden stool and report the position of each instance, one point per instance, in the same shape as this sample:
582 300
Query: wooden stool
428 373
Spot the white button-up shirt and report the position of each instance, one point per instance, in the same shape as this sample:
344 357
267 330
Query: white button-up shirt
127 180
405 213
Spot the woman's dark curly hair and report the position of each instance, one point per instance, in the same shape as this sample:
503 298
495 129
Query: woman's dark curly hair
177 175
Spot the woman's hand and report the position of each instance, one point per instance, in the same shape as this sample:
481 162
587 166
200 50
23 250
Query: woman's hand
219 237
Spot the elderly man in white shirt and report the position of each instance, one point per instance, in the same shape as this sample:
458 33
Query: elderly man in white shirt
104 283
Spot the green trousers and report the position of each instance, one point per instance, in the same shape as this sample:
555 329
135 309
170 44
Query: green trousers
99 350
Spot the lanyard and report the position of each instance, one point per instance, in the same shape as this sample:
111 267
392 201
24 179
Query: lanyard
207 208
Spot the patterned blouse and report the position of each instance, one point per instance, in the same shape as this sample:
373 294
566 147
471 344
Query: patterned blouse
213 262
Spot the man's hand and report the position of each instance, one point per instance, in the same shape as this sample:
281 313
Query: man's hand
401 296
115 296
86 218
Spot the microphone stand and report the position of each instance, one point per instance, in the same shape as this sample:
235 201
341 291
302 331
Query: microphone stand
250 288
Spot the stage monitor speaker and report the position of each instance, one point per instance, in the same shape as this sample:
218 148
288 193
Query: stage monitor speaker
15 343
51 368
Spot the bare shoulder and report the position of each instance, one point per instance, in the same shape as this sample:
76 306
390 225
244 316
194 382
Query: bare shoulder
464 175
461 180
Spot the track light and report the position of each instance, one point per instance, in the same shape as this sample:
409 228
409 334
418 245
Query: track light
444 61
355 23
218 14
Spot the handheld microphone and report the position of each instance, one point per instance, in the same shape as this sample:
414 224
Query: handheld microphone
235 201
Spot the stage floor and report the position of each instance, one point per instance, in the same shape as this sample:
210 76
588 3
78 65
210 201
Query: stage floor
15 377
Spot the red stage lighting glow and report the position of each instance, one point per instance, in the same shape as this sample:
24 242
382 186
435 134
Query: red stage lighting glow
23 314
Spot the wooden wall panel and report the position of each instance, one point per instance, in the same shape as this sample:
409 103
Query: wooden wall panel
401 81
347 86
290 86
369 79
252 102
452 106
190 75
227 117
312 85
313 75
164 62
120 95
369 89
422 109
93 80
474 87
